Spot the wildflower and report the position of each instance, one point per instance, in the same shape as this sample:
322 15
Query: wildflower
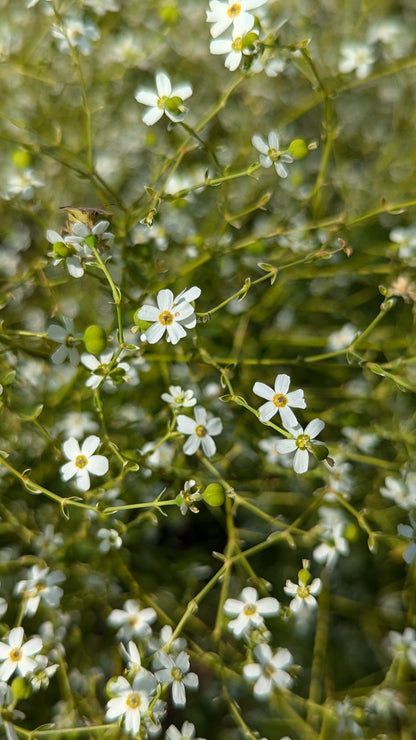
42 673
270 671
356 56
403 287
67 341
63 253
240 42
166 100
132 657
403 645
301 444
104 371
385 704
40 584
172 315
279 400
132 621
342 338
347 725
23 184
131 701
334 544
76 424
271 154
178 398
223 14
175 671
409 531
405 237
165 643
187 732
77 34
110 539
304 594
83 461
402 492
15 654
200 431
249 611
186 499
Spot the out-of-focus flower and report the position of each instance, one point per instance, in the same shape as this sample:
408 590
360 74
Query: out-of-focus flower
358 57
76 33
40 585
409 531
109 539
132 621
177 397
67 340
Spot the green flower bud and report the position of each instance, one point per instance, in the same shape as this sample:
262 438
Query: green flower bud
61 250
21 688
169 14
304 576
21 158
214 494
298 148
95 339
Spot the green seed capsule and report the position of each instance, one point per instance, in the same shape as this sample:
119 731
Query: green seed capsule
95 339
21 688
214 494
298 148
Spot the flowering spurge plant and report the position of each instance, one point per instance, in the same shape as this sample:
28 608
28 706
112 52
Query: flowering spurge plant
82 461
172 315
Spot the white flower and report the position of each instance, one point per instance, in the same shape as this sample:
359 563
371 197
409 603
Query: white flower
187 732
177 397
83 461
131 701
279 400
110 539
249 611
271 154
23 184
189 498
234 46
200 431
76 424
73 262
304 595
301 444
409 531
171 315
132 657
78 34
402 492
175 671
223 14
15 654
342 338
42 673
335 544
40 584
103 372
356 56
80 232
65 337
405 237
270 671
404 645
165 100
132 621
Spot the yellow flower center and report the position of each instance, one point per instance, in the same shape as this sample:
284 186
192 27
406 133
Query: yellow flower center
200 431
249 609
274 154
269 670
279 400
162 101
177 674
237 44
15 655
81 461
133 700
303 441
234 10
166 318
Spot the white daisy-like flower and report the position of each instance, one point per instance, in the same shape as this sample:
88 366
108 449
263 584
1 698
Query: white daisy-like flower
402 492
356 56
303 594
224 14
102 372
175 671
131 701
270 671
78 33
172 315
201 430
80 232
166 99
270 153
42 673
15 655
249 611
279 400
234 46
187 732
334 545
177 397
40 584
301 444
72 261
82 461
132 620
110 539
65 336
